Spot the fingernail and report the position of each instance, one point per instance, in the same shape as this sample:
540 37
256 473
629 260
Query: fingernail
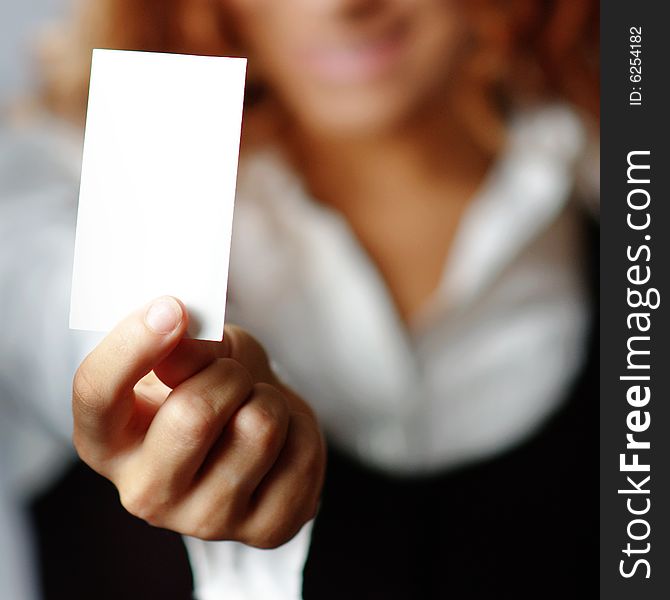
163 315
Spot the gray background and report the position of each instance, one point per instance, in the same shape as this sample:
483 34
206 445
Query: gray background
20 22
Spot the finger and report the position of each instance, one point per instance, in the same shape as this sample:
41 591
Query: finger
255 437
288 496
189 422
242 457
191 356
102 396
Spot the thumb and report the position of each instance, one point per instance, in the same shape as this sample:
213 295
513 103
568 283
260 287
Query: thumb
103 385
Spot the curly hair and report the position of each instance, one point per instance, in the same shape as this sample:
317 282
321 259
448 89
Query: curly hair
519 51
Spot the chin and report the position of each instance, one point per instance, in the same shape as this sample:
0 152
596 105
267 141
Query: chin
354 114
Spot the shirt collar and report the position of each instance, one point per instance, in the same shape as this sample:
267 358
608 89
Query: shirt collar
522 195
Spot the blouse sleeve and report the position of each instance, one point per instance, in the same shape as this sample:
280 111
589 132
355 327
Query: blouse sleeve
233 571
38 352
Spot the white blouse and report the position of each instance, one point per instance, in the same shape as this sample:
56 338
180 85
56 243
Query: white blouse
485 363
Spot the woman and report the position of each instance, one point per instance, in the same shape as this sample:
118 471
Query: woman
411 265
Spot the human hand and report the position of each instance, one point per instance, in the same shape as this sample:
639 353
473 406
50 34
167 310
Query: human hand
198 437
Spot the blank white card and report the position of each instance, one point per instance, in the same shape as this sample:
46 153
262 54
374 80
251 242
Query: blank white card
157 187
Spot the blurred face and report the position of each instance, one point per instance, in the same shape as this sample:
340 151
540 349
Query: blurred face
350 66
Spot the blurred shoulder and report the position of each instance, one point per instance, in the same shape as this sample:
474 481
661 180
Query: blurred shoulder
561 134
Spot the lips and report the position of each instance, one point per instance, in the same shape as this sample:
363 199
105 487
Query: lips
355 62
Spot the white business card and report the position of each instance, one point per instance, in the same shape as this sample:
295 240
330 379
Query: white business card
157 187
